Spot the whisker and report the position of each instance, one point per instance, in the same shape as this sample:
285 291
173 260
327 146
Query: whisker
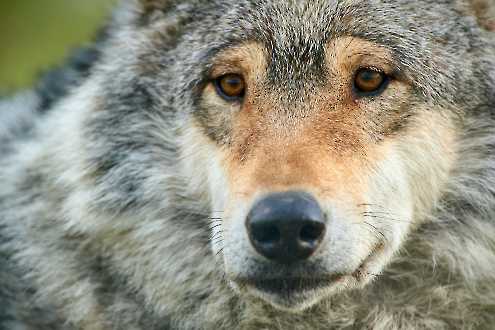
372 205
385 218
379 212
219 252
376 230
216 235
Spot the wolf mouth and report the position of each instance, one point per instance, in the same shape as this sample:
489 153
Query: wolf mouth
292 286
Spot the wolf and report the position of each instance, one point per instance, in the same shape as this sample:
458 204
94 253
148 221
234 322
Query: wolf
257 164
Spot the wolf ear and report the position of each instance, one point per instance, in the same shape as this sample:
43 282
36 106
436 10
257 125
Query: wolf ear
484 10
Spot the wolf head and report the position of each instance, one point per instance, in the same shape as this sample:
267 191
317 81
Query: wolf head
296 144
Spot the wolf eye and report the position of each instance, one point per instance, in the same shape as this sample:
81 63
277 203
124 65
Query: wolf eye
370 82
230 87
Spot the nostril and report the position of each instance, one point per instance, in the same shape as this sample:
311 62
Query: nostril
266 234
311 233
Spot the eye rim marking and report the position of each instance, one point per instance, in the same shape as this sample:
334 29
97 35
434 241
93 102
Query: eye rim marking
384 83
221 92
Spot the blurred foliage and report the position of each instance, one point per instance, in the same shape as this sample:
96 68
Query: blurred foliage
36 35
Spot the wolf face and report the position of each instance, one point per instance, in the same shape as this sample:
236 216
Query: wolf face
325 149
372 162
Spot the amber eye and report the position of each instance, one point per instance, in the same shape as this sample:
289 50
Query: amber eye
230 87
369 82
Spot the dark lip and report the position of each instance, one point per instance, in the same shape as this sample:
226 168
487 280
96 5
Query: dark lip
291 285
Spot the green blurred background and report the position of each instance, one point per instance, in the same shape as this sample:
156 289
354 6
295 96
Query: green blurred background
35 35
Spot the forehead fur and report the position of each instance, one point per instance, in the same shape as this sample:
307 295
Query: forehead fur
428 47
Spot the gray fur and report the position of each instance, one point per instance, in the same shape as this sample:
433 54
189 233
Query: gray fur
101 228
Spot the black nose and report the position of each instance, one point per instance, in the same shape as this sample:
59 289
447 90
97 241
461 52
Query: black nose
286 227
